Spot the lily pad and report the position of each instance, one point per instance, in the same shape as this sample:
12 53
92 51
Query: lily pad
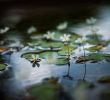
93 58
83 84
61 61
51 44
27 56
96 42
75 36
45 91
104 79
95 48
94 36
2 67
66 50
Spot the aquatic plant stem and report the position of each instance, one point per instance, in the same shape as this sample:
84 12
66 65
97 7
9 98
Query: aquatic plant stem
85 66
68 58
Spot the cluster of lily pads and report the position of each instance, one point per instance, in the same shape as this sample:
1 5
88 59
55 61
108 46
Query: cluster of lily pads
59 45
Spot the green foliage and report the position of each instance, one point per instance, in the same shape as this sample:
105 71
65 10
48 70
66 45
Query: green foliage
45 91
93 58
61 61
27 56
2 67
47 44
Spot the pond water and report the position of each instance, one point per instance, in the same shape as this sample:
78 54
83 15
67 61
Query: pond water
24 75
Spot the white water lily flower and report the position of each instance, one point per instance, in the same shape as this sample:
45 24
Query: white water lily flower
62 26
2 31
35 58
65 37
31 30
92 20
50 35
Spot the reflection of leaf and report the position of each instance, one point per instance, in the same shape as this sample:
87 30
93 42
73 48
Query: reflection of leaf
33 64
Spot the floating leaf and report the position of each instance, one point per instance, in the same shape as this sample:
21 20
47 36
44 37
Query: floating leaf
27 56
51 44
83 84
95 48
94 36
96 42
45 91
2 67
61 61
66 50
74 36
104 79
93 58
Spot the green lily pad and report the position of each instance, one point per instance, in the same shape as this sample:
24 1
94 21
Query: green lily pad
61 61
95 48
83 84
49 56
104 79
67 49
27 56
51 44
45 91
94 36
96 42
35 42
2 67
75 36
93 58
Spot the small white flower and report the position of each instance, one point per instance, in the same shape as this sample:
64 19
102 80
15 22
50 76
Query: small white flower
35 58
65 37
79 40
62 26
31 30
90 21
49 35
2 31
